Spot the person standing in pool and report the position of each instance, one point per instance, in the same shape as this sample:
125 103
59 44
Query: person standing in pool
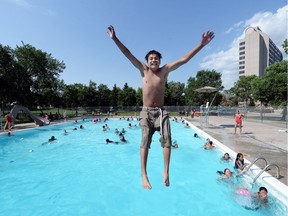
153 116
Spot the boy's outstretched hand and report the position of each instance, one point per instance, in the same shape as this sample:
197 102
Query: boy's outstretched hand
207 37
111 31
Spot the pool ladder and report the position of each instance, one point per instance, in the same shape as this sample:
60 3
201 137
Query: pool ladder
264 169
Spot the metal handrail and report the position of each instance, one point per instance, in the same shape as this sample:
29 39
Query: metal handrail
256 161
265 169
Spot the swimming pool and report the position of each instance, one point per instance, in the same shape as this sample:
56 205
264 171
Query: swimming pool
79 174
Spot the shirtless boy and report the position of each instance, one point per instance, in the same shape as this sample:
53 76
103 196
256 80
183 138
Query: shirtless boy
153 116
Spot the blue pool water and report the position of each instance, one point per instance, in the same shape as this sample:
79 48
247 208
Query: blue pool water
79 174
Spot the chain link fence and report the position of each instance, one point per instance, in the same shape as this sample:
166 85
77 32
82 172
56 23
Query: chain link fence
267 115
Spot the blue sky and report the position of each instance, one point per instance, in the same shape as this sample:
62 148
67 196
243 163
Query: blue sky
76 32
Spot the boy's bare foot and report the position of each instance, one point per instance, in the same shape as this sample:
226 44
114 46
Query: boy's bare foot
166 179
145 183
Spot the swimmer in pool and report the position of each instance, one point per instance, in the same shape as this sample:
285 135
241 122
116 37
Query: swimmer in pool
227 174
110 141
209 145
261 195
226 157
52 139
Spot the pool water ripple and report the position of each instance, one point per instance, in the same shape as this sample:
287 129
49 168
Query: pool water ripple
79 174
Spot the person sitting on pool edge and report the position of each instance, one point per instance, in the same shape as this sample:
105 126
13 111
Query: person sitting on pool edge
240 164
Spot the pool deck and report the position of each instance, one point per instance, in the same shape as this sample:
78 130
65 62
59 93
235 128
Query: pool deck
257 139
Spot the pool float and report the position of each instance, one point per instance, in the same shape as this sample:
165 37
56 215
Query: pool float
243 192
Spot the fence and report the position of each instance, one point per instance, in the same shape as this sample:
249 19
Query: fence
267 115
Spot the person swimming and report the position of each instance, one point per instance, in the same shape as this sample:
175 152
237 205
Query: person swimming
110 141
122 138
226 174
209 145
52 139
226 157
250 201
49 140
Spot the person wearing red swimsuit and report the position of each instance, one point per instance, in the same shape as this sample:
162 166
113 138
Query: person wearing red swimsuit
238 121
9 121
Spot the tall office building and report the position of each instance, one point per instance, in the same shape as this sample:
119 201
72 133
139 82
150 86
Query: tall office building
257 52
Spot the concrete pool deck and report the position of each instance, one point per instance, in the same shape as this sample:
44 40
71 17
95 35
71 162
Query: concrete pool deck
257 139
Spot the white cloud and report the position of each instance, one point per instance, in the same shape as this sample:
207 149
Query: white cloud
26 5
22 3
226 61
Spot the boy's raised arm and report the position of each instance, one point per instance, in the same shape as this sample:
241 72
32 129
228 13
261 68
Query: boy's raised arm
138 64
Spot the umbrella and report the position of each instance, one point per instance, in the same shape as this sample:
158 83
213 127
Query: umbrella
206 89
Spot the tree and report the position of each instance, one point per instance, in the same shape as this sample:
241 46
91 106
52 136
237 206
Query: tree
203 78
139 96
272 87
127 97
90 95
7 74
114 95
243 88
73 95
174 94
285 45
40 70
103 93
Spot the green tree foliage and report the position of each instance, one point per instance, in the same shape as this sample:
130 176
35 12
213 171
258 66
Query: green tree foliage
272 87
139 96
174 94
285 45
114 96
202 79
243 88
7 74
29 76
127 96
90 95
103 95
73 95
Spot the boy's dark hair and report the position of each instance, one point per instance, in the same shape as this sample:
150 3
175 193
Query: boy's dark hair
263 188
153 52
